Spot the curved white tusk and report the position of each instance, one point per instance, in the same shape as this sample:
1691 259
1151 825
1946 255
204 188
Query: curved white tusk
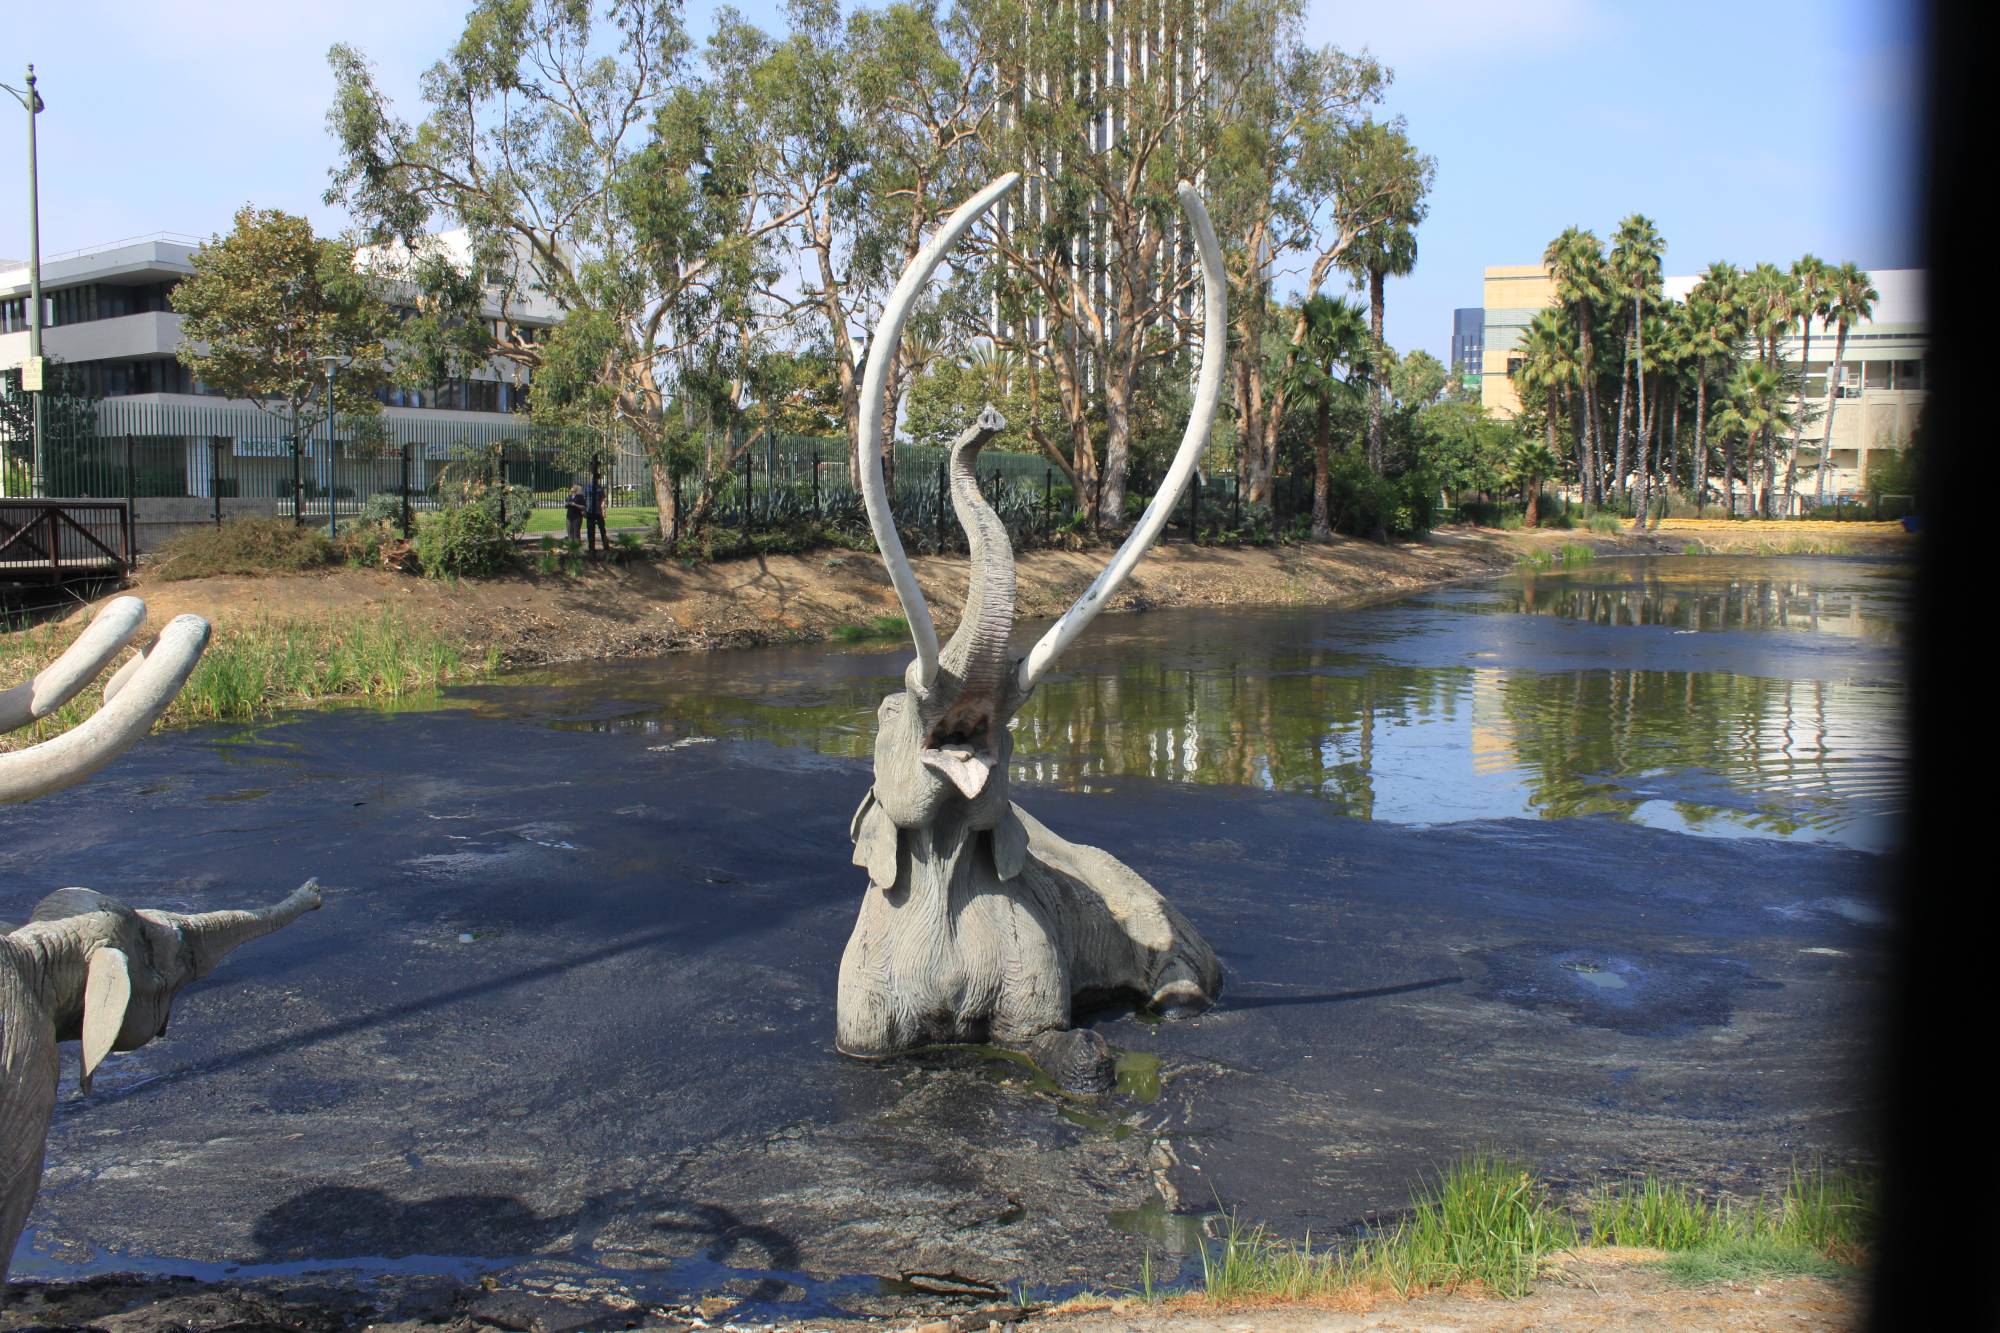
61 680
123 675
873 492
1208 391
81 751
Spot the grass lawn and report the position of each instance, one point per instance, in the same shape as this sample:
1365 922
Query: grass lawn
552 520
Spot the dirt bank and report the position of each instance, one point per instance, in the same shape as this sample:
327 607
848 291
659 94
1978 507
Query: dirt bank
1601 1289
615 610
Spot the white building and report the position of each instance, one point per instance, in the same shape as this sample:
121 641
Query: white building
108 318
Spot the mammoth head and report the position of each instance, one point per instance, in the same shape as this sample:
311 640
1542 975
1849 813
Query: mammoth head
113 970
942 743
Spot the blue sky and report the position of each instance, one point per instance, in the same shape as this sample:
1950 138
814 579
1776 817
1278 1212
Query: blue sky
1753 130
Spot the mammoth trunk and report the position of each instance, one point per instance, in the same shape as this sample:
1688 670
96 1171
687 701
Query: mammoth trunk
214 935
976 663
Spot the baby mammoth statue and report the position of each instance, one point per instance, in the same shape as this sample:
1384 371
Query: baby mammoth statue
86 967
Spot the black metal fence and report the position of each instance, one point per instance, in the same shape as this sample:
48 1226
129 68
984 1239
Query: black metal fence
218 462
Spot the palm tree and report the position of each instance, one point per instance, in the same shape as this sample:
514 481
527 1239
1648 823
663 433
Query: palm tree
1768 306
1533 461
1710 337
1755 410
1656 355
1811 293
1549 365
1387 252
1850 299
1575 261
1336 336
1635 278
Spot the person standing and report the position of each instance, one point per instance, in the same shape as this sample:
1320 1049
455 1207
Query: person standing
594 498
573 514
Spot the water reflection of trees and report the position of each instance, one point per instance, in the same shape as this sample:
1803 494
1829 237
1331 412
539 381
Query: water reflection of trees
1809 753
1761 603
1796 753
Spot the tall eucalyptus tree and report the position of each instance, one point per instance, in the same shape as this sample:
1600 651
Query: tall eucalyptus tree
1289 181
591 169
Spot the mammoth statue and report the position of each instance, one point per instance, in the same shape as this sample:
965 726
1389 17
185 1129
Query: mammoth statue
86 967
979 924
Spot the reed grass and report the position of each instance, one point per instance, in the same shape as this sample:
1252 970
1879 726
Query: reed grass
254 668
1489 1224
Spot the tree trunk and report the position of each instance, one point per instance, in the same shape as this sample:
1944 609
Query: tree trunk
1770 472
1645 457
1322 466
1534 518
667 501
1117 451
1624 458
1375 277
1832 397
1699 472
1799 425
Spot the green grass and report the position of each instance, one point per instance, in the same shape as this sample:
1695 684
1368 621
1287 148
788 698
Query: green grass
1741 1258
1605 525
254 668
1485 1222
1571 555
881 627
1822 1225
554 520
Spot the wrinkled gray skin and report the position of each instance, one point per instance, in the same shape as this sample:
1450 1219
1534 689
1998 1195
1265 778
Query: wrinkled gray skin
86 967
980 924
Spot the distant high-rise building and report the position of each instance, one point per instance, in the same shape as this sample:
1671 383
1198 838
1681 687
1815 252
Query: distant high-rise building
1468 337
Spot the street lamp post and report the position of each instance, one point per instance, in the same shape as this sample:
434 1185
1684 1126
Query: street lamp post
31 101
332 521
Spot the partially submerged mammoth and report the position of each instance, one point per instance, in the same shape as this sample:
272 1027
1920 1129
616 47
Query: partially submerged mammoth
980 924
86 967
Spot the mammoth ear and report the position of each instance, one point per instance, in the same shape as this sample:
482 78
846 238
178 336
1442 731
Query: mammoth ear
875 842
1010 845
106 992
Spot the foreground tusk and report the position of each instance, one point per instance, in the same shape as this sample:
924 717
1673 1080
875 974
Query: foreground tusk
81 751
1208 390
60 681
873 492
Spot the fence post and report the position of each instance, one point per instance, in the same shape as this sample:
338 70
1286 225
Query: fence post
1236 503
403 475
1194 510
816 514
749 483
215 477
131 505
298 486
1048 500
940 507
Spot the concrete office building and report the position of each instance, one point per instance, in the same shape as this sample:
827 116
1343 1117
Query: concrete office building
1881 380
108 318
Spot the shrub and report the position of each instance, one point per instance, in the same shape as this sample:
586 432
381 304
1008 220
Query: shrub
465 541
245 546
